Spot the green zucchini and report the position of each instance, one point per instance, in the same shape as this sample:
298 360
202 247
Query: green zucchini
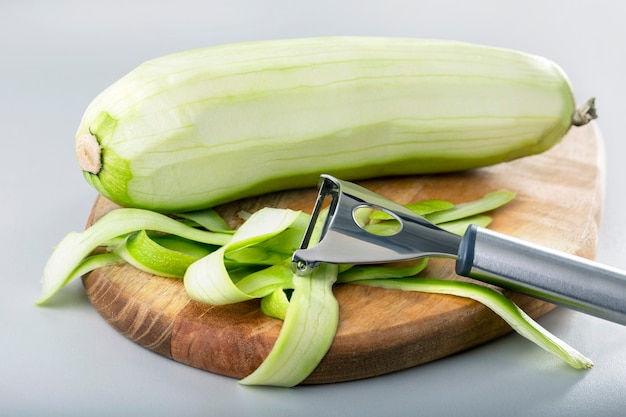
204 127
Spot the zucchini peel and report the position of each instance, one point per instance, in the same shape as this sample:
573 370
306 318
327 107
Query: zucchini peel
225 266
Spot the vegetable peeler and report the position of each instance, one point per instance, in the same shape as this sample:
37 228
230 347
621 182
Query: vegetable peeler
338 237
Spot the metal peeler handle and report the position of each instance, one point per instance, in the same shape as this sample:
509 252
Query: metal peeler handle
550 275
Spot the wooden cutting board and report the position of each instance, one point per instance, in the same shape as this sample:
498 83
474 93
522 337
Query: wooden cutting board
559 202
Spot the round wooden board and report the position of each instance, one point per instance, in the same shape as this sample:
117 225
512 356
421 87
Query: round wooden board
559 202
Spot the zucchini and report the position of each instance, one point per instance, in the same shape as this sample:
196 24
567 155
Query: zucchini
204 127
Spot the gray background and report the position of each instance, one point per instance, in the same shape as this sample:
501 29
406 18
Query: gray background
55 56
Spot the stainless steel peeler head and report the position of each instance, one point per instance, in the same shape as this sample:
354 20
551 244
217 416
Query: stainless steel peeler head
337 233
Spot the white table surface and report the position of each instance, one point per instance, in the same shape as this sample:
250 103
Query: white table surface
55 56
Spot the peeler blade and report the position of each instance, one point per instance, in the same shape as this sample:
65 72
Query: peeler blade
336 235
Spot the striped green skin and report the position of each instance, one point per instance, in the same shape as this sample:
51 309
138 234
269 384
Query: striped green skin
209 126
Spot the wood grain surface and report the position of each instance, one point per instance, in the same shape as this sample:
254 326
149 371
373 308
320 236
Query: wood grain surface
558 205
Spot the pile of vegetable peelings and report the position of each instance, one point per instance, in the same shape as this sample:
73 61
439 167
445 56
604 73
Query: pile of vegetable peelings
221 266
181 134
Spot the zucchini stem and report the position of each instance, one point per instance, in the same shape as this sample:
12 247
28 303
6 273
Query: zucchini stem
88 153
585 113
